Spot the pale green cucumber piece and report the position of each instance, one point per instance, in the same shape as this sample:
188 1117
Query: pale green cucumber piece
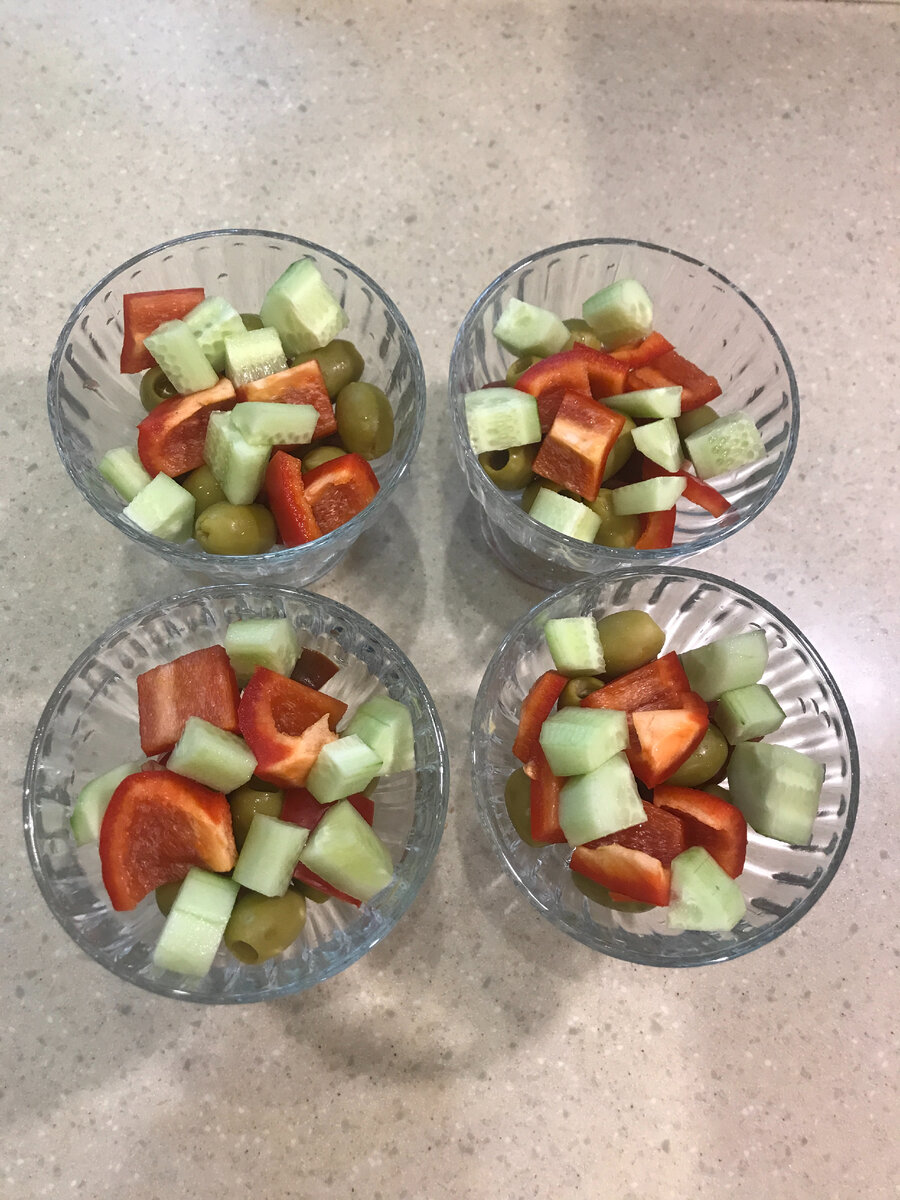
659 441
777 789
649 402
180 357
345 851
264 423
303 309
196 922
724 445
574 645
565 515
270 852
124 470
703 896
727 663
342 768
579 740
212 756
211 322
163 508
748 712
238 466
601 802
650 495
261 642
620 313
386 728
526 329
253 354
499 418
93 800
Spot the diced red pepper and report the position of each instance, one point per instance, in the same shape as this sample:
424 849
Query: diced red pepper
575 450
200 684
142 313
657 530
639 354
658 684
564 371
536 708
303 384
339 490
631 874
666 738
548 406
715 824
171 438
606 375
544 799
698 387
662 839
286 495
157 826
642 378
313 668
286 724
300 807
695 490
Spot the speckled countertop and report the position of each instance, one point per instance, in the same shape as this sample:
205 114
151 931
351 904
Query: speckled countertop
477 1052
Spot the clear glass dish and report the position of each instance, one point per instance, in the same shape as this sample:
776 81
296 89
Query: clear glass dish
90 724
94 408
780 882
707 319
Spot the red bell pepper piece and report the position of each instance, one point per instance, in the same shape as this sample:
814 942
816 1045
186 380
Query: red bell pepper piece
144 312
199 684
303 384
657 530
536 708
313 668
286 724
650 376
300 807
575 451
339 490
661 683
606 375
157 826
629 873
548 406
639 354
696 490
171 438
661 839
698 387
666 737
715 824
544 799
564 371
286 495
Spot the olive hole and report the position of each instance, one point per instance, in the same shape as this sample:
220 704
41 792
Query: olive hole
498 459
245 952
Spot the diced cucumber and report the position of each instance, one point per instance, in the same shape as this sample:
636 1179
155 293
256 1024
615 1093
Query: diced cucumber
777 789
163 508
498 418
125 471
342 768
650 495
264 423
238 466
703 896
270 852
574 644
303 309
195 924
601 802
578 740
253 354
179 355
565 515
212 756
211 322
93 801
346 852
261 642
649 402
724 445
727 663
526 329
619 313
748 712
385 726
659 441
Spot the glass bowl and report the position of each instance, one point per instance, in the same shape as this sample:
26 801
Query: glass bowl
93 408
707 319
90 724
780 882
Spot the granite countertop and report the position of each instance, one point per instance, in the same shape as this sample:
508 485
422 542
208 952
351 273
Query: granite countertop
476 1052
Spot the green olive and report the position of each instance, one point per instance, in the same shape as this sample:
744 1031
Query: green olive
205 489
689 422
602 895
706 761
720 793
340 363
254 797
622 450
509 469
165 895
581 332
313 893
319 455
370 787
517 795
364 419
262 926
155 388
225 528
251 321
615 531
518 368
629 639
576 689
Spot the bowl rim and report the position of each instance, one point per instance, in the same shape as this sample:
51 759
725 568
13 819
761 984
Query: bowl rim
185 554
608 559
440 774
768 933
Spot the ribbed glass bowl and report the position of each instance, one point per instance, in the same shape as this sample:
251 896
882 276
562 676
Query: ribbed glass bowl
90 725
780 882
94 408
707 319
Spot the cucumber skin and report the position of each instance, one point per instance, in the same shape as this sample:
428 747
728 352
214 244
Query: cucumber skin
564 515
178 353
93 800
499 418
748 712
574 645
650 495
123 470
525 329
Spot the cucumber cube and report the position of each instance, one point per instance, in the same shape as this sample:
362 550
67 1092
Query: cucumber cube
704 897
303 309
578 740
238 466
125 471
261 642
574 645
270 852
601 802
212 756
620 313
179 355
659 441
386 728
498 418
726 664
565 515
253 354
724 445
195 924
526 329
163 508
342 768
650 495
748 712
211 322
93 801
777 789
346 852
264 423
649 402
